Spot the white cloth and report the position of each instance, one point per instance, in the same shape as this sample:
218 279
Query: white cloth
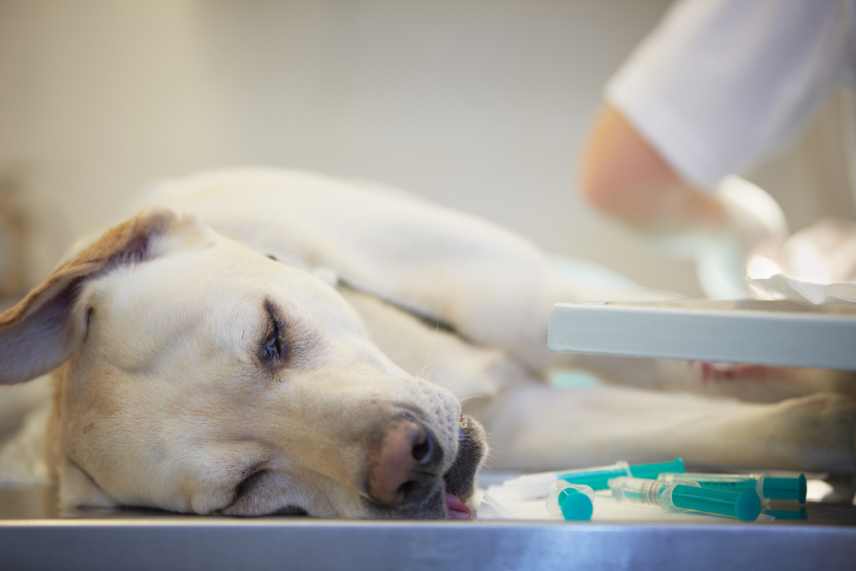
720 83
815 265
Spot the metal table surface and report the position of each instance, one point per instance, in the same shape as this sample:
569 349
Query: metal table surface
32 536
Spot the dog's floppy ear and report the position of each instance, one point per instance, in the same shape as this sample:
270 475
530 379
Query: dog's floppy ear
38 333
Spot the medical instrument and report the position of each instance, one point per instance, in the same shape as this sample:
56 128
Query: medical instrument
532 486
738 504
787 488
572 501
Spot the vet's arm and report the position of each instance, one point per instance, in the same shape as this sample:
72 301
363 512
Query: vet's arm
681 115
626 178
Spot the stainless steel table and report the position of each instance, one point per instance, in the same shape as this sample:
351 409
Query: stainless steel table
32 536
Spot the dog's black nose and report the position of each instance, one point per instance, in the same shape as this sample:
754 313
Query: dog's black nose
403 467
425 448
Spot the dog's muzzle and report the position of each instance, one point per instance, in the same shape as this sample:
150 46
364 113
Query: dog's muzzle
404 478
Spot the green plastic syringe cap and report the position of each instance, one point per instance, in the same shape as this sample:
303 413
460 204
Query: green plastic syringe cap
651 471
785 488
575 505
744 505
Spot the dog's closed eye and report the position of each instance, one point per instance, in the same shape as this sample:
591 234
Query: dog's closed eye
291 511
87 322
273 349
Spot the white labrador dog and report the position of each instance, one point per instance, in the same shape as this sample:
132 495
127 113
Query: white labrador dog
258 342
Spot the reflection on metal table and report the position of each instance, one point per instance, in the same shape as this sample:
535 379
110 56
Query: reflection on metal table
33 536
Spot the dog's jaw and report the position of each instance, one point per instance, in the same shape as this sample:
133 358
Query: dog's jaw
77 489
460 479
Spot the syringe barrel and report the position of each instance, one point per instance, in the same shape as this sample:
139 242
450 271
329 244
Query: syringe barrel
635 489
767 486
723 481
739 504
534 486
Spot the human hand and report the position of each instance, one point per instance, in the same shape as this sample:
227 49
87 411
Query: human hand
751 218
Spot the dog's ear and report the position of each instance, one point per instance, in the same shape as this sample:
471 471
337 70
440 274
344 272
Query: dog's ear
39 332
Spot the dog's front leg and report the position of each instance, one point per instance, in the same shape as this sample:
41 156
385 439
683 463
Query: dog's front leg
538 428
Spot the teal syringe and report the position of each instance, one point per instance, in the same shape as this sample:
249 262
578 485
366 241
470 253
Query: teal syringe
768 487
534 486
738 504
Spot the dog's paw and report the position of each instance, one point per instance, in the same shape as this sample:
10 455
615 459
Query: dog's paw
707 372
764 383
818 430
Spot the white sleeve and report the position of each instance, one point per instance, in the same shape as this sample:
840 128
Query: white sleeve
719 83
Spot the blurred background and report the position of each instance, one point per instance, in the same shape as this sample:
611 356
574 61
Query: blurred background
477 105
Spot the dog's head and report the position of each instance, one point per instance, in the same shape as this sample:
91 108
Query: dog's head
201 376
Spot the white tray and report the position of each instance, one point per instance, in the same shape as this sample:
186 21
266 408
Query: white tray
781 333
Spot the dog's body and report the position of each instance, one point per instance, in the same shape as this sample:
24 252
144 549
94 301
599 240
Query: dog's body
168 396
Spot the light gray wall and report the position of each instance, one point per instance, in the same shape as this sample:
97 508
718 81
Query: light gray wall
480 105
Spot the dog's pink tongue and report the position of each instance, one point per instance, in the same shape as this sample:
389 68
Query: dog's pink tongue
456 508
